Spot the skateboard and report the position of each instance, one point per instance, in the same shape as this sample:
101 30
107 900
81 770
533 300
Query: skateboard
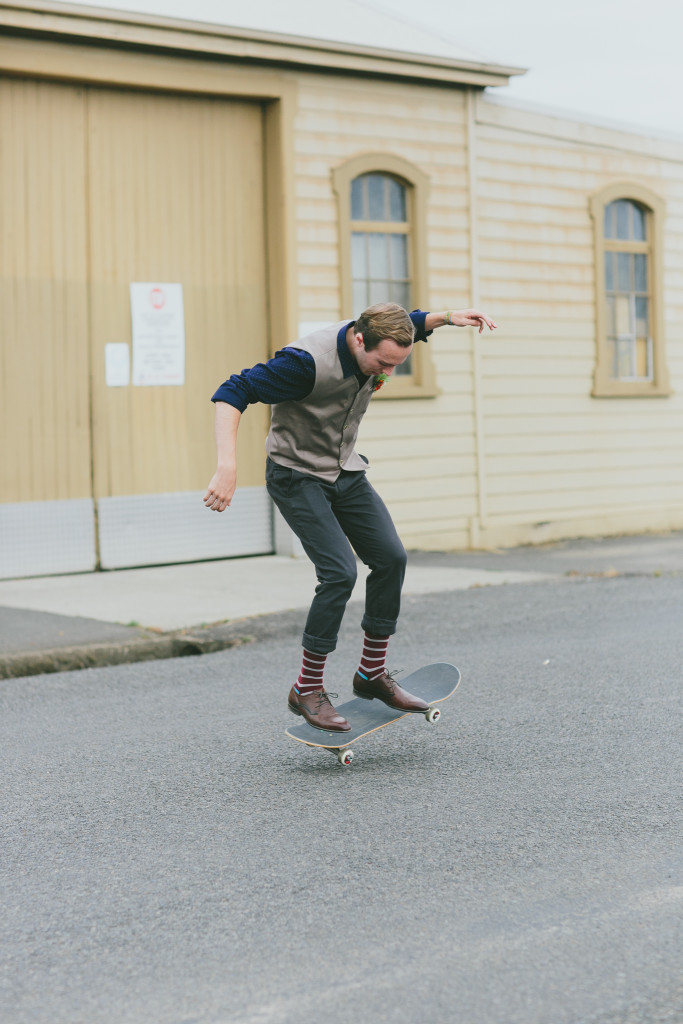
433 683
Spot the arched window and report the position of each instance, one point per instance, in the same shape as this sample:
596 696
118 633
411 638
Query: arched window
382 211
380 258
630 343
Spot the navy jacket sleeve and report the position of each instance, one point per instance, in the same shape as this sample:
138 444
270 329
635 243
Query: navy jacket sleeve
287 377
418 317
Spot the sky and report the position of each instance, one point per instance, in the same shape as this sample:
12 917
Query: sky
614 59
611 60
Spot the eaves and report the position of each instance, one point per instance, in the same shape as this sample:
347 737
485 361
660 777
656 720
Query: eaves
76 23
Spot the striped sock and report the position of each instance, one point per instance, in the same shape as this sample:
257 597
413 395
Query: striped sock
374 656
311 675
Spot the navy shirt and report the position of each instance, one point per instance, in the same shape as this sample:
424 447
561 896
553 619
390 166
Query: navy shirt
290 375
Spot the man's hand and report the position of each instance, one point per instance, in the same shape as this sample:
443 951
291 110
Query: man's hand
220 491
470 318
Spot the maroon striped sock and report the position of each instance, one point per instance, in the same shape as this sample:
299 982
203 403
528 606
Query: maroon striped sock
311 675
372 662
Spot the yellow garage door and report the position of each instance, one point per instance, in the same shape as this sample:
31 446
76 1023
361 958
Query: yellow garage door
175 198
103 189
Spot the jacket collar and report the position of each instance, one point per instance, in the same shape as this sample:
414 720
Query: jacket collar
348 363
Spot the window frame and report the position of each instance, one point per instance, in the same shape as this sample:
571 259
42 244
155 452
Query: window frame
421 383
604 385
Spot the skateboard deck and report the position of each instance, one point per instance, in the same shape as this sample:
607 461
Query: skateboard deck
433 683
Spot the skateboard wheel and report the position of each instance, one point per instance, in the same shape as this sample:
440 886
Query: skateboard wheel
433 715
345 757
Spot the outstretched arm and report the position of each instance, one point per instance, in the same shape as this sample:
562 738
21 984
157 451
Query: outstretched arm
460 318
287 377
220 491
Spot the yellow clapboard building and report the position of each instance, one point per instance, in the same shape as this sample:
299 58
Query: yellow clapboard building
179 200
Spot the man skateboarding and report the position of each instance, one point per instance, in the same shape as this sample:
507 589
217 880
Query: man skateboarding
319 388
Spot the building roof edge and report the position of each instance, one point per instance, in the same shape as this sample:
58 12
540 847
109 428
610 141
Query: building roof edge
48 17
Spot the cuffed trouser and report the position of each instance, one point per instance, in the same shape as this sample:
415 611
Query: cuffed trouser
328 518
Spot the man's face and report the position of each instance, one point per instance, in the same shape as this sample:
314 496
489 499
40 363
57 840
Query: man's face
383 359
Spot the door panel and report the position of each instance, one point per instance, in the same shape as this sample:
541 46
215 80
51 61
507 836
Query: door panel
46 509
176 195
44 365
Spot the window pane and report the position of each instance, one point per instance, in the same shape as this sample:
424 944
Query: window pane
611 316
625 219
623 315
399 255
623 226
623 272
379 292
642 317
397 201
376 193
359 261
612 352
609 271
609 220
379 255
360 297
640 263
405 369
625 366
400 293
357 204
638 223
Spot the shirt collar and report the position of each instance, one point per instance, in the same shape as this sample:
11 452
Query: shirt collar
347 361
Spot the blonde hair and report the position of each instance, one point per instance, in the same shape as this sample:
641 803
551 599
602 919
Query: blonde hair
385 320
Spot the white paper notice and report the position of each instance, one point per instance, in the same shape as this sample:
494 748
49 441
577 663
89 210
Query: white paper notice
117 364
158 334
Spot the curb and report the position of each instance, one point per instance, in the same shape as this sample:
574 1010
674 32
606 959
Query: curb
178 644
69 659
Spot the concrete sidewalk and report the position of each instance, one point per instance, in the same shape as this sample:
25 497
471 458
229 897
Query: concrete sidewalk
57 623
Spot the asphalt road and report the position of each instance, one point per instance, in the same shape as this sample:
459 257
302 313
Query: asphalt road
169 860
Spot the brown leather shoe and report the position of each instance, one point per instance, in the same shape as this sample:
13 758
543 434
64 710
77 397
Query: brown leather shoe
386 689
318 711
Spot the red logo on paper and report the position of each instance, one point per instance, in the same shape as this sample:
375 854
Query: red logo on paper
157 298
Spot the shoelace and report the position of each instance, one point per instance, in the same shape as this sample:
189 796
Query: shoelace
323 698
389 680
392 676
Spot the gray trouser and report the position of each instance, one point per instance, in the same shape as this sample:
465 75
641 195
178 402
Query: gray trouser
329 519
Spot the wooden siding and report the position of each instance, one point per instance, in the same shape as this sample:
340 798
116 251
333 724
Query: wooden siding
423 442
552 452
44 364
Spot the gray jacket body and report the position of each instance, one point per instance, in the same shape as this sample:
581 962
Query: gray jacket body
316 435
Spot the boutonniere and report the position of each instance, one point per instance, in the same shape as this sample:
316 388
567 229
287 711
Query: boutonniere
378 380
